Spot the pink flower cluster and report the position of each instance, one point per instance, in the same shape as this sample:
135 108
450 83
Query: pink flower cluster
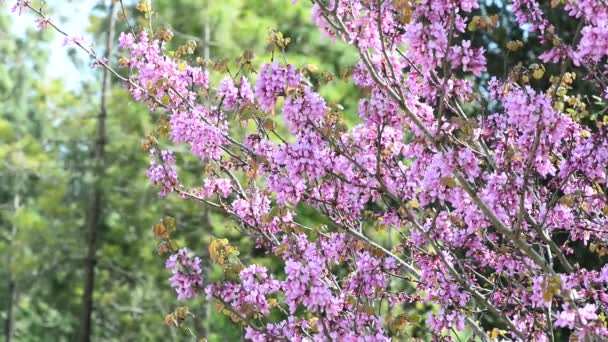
233 97
272 82
186 272
162 171
470 197
252 292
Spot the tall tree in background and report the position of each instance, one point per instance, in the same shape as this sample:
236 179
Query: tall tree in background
96 212
34 226
13 123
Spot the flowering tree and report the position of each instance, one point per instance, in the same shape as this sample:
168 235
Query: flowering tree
486 184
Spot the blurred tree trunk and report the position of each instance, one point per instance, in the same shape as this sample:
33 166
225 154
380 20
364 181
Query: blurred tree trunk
206 33
9 326
95 213
9 321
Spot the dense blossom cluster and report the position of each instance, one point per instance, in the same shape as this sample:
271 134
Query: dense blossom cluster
251 293
480 214
162 171
272 82
186 270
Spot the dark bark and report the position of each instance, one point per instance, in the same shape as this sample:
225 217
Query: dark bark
9 321
95 213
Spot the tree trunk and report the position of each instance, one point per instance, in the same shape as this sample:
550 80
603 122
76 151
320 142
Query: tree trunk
95 213
9 325
9 321
206 33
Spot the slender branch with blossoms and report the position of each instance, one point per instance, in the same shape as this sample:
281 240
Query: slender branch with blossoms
488 208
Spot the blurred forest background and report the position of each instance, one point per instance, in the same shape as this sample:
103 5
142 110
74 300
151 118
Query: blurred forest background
56 190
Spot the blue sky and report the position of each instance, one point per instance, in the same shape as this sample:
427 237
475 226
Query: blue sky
72 17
